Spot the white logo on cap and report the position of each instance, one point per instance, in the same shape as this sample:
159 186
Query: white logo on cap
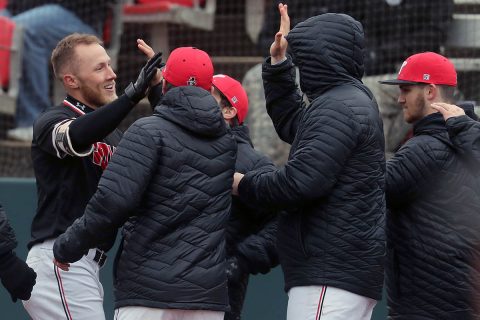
234 99
426 76
192 81
403 65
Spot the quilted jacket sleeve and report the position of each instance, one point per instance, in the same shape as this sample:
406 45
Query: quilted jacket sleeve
464 132
329 134
119 193
417 162
7 236
259 251
284 103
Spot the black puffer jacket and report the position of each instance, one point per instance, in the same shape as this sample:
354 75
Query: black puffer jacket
333 183
433 228
252 232
465 135
7 236
172 176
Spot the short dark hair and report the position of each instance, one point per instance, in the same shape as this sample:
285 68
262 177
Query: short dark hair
64 52
447 92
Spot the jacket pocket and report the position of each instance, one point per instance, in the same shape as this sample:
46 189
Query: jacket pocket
300 234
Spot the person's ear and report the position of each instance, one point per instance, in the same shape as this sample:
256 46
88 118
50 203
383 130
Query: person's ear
431 92
164 86
70 81
229 113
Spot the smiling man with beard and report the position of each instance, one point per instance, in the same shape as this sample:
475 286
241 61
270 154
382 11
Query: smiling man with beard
72 144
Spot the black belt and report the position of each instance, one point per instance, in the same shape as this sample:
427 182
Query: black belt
100 257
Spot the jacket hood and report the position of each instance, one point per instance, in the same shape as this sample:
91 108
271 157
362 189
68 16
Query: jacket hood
469 108
328 50
193 109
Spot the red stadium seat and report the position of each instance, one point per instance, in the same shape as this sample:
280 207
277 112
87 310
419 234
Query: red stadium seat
155 6
7 28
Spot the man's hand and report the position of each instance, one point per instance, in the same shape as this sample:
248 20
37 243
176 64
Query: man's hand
136 91
448 110
149 52
278 49
61 265
145 48
237 177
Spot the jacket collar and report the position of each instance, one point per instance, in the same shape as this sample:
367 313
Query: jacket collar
78 107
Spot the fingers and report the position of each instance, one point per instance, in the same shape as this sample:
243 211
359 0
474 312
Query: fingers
237 177
443 107
154 63
278 39
448 110
145 48
63 266
284 19
440 105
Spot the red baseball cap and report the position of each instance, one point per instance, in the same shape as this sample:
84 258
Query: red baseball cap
426 67
236 95
188 66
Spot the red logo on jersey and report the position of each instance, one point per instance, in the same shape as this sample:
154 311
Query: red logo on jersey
102 153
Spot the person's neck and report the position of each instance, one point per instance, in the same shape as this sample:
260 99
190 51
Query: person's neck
80 98
428 109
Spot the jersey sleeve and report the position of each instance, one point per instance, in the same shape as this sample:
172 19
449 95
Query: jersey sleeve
51 134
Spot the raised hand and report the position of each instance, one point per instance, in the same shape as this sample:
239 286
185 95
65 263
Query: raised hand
136 91
149 52
278 48
448 110
145 48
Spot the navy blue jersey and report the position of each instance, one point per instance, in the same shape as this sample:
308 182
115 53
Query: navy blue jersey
66 178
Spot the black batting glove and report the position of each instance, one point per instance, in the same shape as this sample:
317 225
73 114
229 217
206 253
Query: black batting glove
137 91
17 277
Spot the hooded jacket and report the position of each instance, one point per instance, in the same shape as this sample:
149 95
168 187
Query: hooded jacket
432 228
171 177
333 183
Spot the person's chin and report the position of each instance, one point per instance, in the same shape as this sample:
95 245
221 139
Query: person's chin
111 97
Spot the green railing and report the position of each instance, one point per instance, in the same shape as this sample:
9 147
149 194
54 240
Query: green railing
266 299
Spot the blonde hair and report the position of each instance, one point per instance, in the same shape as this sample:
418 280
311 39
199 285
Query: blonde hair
64 52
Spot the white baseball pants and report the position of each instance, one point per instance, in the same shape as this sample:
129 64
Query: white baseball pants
327 303
144 313
75 294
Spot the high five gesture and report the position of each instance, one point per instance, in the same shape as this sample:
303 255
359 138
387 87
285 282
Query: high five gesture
278 48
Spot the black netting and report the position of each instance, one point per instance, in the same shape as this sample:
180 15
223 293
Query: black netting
232 33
